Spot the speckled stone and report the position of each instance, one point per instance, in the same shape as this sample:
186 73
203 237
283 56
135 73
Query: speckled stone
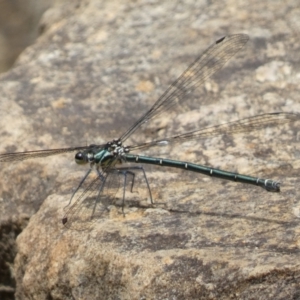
94 71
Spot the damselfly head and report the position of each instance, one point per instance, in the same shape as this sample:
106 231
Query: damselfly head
81 158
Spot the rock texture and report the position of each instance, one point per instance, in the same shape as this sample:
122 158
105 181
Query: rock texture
97 67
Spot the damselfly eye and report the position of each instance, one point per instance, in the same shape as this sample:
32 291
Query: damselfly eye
80 158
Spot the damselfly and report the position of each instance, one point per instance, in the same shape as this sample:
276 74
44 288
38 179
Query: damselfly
93 193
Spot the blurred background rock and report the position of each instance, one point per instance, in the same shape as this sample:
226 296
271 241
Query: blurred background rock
19 27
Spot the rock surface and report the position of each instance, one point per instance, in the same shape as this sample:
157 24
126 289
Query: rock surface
92 73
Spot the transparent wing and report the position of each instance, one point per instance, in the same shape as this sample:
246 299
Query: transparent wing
91 200
240 126
19 156
209 62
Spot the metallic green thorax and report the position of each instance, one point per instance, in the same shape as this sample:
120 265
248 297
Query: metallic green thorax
104 156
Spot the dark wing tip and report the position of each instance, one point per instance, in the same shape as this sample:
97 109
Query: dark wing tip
220 40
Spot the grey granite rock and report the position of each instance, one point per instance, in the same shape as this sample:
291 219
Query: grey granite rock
88 77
